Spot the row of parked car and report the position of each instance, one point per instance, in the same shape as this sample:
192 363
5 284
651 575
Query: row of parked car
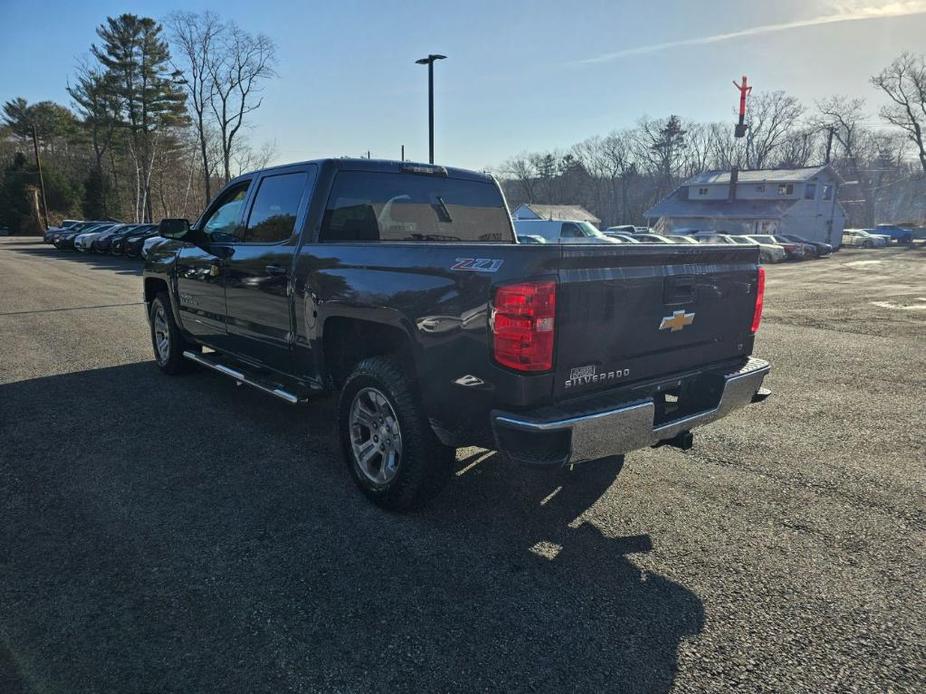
103 236
878 237
773 248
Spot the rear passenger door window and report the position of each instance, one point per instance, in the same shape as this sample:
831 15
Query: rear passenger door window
276 204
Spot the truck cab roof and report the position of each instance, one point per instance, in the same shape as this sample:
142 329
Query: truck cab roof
378 165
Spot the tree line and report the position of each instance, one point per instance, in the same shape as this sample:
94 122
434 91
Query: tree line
157 123
160 112
618 176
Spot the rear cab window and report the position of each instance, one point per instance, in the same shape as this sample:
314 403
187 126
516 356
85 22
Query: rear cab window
389 206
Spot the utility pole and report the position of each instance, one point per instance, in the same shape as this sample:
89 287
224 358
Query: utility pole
429 61
403 152
38 165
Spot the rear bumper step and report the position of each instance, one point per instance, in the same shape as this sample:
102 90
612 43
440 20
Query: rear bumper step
269 388
576 436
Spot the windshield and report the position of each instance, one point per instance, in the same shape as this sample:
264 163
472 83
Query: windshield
589 230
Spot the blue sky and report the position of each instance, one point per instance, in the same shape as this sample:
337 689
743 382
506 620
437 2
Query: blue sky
520 75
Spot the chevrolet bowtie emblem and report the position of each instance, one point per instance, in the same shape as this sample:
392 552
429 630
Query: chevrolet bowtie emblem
677 321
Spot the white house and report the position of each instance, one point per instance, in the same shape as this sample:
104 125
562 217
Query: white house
766 201
571 213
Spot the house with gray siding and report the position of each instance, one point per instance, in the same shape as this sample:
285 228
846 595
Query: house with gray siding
765 201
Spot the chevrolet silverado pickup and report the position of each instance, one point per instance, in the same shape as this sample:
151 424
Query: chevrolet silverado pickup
402 288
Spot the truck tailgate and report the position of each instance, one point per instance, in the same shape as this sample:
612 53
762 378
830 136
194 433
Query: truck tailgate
632 313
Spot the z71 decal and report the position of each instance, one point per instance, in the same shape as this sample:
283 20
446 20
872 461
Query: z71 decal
477 264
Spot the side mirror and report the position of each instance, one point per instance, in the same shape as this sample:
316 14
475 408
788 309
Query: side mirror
174 228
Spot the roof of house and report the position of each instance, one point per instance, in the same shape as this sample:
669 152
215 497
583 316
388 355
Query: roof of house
761 175
568 212
677 206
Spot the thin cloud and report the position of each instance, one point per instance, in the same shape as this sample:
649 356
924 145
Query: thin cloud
845 12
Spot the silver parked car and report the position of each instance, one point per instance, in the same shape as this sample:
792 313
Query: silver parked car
768 252
561 231
859 238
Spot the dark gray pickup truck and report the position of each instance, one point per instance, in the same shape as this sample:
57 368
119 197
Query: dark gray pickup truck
402 287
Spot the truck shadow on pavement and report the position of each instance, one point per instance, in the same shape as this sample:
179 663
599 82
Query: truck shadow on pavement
117 264
187 535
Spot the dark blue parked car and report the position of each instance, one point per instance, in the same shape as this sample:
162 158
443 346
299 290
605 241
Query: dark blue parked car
894 232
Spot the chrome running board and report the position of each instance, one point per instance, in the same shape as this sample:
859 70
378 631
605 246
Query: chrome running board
240 378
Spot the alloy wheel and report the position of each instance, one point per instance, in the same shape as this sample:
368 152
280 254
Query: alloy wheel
375 436
161 333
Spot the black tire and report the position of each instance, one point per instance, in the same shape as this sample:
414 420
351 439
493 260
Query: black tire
423 466
869 244
170 359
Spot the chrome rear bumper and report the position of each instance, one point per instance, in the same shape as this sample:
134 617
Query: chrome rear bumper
570 437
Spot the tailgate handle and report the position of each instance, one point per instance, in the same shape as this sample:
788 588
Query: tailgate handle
679 290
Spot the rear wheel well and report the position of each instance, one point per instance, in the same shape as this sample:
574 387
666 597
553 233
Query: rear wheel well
347 341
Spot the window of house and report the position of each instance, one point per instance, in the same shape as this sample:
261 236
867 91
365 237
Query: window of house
785 188
760 188
273 214
827 192
702 191
810 191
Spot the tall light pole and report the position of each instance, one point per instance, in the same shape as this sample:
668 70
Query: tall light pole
429 61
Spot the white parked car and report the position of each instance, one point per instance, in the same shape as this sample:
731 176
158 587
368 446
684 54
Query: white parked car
84 242
623 238
859 238
561 231
645 237
621 229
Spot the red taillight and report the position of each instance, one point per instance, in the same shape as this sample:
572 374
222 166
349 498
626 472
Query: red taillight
760 299
523 323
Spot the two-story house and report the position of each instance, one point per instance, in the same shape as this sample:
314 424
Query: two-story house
766 201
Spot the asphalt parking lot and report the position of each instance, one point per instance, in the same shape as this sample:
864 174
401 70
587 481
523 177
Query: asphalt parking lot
182 534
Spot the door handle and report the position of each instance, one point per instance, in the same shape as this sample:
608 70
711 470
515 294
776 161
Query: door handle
215 267
275 270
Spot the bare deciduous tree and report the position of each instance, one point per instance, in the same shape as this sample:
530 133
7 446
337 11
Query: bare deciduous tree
800 148
521 170
845 119
904 83
196 38
772 115
249 158
244 61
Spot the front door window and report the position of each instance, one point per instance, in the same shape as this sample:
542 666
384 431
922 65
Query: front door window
224 222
